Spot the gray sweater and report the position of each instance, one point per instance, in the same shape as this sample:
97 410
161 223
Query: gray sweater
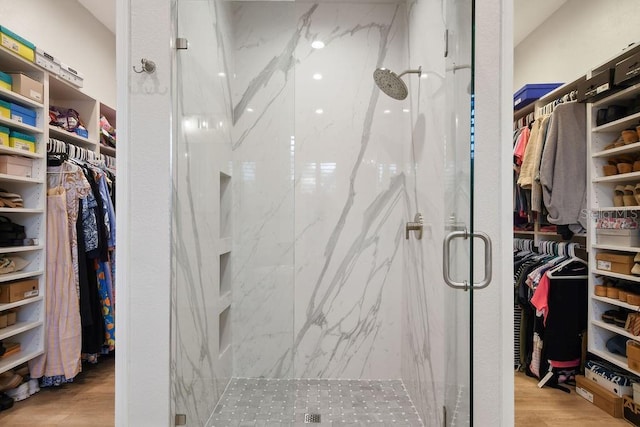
563 169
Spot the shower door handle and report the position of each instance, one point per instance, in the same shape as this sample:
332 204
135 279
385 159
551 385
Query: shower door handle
446 265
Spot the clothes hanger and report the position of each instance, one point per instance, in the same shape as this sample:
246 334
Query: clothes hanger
572 259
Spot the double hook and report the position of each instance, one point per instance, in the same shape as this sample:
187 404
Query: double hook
147 66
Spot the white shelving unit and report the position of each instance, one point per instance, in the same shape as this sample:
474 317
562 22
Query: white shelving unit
601 204
29 327
31 322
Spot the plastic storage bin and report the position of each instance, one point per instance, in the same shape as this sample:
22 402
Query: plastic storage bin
4 136
23 115
22 142
532 92
6 81
17 44
5 109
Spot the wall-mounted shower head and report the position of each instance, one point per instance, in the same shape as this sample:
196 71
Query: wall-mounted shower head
391 83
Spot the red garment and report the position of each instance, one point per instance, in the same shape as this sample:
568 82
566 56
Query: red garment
540 299
521 145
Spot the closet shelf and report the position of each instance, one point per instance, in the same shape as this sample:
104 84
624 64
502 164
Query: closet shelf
19 99
626 94
21 210
56 132
11 249
613 328
21 126
19 358
618 125
19 275
617 248
18 328
616 209
617 359
15 151
629 148
633 176
616 275
14 178
107 151
20 303
616 302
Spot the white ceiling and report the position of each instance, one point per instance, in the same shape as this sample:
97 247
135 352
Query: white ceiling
103 10
528 15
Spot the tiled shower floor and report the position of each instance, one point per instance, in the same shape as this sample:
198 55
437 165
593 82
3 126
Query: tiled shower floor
277 403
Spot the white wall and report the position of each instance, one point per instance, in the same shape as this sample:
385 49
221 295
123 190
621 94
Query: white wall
69 32
143 207
580 35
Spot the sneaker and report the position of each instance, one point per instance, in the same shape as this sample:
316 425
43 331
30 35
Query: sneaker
19 393
33 386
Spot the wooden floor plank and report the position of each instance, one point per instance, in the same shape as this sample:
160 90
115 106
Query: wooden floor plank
548 407
88 401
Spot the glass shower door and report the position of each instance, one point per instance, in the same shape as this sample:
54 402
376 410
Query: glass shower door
464 269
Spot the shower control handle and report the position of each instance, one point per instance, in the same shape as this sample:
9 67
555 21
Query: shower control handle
416 226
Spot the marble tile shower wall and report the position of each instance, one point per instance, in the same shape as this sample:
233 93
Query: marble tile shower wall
423 310
319 190
201 151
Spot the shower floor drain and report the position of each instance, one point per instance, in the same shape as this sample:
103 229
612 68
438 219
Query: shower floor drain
311 418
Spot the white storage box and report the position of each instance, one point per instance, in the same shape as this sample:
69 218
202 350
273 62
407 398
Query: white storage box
618 237
606 383
16 165
71 75
46 61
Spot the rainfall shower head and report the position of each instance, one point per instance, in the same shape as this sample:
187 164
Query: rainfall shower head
391 83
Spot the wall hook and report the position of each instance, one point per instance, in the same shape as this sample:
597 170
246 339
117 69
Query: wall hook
147 66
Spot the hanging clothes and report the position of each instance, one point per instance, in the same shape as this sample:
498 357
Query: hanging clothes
61 361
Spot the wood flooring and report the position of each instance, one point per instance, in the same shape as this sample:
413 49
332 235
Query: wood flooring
88 401
542 407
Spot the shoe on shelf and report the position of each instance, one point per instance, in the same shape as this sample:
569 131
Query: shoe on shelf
9 380
637 257
636 269
618 198
628 197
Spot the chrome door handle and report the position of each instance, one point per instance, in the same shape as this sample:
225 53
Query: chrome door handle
488 255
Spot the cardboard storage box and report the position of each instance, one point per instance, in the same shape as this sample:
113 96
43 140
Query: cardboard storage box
596 87
5 81
607 384
633 355
618 237
4 136
631 411
23 115
12 317
603 399
17 44
18 290
22 141
3 320
627 71
615 262
16 165
47 61
28 87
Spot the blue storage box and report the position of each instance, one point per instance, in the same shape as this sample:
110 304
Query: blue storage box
532 92
23 115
